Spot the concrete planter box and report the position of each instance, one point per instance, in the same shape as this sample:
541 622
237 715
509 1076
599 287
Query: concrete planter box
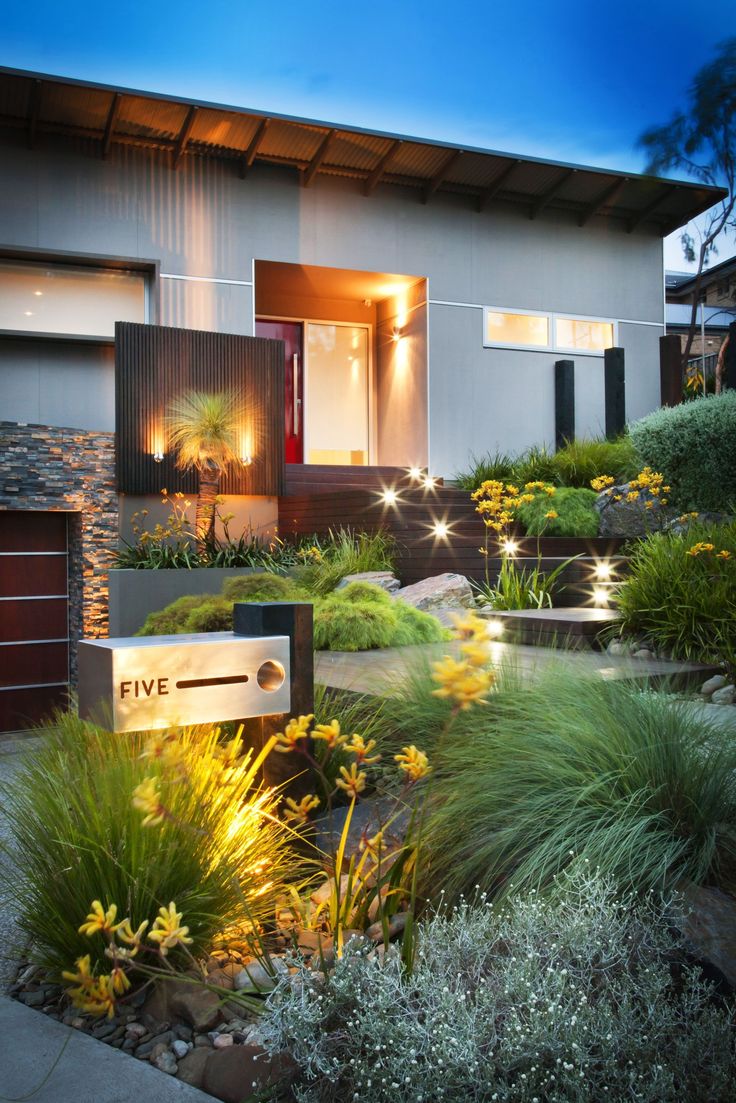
135 594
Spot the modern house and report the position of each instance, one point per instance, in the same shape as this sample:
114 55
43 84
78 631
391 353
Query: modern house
420 295
715 311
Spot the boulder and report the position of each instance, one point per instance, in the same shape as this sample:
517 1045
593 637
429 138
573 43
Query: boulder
245 1072
196 1006
191 1067
385 579
710 926
682 523
255 977
441 591
725 696
630 519
718 681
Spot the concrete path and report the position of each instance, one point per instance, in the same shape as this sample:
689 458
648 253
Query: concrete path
378 671
43 1061
11 942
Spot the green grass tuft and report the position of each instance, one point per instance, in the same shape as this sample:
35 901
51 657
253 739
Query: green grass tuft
582 460
574 506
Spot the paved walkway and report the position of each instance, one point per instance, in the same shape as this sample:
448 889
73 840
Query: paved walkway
43 1061
379 671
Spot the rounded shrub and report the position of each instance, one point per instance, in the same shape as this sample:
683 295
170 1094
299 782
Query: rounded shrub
575 509
416 626
262 586
214 614
363 591
353 625
694 446
171 619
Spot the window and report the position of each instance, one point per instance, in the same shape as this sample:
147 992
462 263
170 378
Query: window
551 332
505 328
67 299
576 333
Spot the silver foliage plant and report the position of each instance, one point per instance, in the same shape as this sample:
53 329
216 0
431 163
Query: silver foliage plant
583 997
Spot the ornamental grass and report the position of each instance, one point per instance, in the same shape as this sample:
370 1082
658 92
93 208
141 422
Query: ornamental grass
138 821
578 766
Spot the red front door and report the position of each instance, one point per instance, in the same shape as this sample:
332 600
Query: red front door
292 334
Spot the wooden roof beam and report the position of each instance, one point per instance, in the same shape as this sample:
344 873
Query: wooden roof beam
252 152
605 199
441 175
546 199
112 118
374 178
494 188
643 214
34 108
184 135
309 173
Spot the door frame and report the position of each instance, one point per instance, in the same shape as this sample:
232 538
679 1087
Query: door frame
304 322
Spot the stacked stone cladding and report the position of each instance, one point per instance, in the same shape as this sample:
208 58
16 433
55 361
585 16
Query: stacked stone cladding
47 468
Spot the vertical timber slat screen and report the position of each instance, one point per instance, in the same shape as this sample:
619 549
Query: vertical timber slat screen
153 364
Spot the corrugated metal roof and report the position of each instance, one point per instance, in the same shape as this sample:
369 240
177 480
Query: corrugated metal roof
36 103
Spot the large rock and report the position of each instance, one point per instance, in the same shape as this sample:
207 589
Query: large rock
441 591
178 999
630 519
245 1072
682 522
710 926
385 579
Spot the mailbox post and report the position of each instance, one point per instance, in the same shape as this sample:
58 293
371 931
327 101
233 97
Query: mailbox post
260 674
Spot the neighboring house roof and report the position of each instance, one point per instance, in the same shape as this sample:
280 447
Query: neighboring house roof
35 104
680 288
717 318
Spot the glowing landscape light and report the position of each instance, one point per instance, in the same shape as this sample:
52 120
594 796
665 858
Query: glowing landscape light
509 547
603 570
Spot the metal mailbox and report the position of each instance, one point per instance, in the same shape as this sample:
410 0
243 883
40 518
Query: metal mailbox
170 681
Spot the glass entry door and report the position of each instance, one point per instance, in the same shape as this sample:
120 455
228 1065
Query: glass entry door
336 386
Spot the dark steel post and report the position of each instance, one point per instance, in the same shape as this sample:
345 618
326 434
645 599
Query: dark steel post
615 389
670 370
564 402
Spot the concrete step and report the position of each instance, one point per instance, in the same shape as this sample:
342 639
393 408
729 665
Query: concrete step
571 628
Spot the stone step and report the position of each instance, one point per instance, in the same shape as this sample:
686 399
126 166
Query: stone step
572 628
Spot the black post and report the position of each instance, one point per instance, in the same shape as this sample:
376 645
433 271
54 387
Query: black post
295 620
615 388
564 402
670 370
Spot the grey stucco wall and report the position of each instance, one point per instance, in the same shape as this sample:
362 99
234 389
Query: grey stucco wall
204 221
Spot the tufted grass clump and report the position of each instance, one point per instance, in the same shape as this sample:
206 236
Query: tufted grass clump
220 852
577 765
580 998
680 591
575 509
583 459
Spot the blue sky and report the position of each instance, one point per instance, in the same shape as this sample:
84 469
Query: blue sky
567 79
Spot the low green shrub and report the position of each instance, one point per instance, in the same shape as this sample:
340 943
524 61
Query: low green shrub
694 446
579 999
581 460
363 591
171 619
352 625
214 614
681 593
576 765
576 513
80 839
263 586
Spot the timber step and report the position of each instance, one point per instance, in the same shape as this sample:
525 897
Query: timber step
569 628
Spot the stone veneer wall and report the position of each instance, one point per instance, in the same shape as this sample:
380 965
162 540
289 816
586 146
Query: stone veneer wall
73 470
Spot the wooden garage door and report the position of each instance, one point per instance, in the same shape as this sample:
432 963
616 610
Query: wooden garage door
34 617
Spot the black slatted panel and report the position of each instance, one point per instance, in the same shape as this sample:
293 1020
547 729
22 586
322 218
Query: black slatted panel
155 363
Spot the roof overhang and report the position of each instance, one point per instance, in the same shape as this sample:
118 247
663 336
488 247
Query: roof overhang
34 104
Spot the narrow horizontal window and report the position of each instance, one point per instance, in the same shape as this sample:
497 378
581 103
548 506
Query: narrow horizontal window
576 333
64 299
506 328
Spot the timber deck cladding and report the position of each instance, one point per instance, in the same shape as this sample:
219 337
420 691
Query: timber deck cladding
153 364
420 552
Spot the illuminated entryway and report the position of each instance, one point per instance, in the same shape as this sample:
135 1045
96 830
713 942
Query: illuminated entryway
355 362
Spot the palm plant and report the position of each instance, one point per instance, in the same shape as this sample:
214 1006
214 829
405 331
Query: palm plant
203 430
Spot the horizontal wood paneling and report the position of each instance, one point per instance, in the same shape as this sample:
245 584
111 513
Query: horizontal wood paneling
420 552
32 575
29 531
153 364
33 620
24 708
23 664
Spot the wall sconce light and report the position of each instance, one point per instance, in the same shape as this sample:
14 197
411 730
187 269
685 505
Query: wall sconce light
396 334
158 457
246 460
